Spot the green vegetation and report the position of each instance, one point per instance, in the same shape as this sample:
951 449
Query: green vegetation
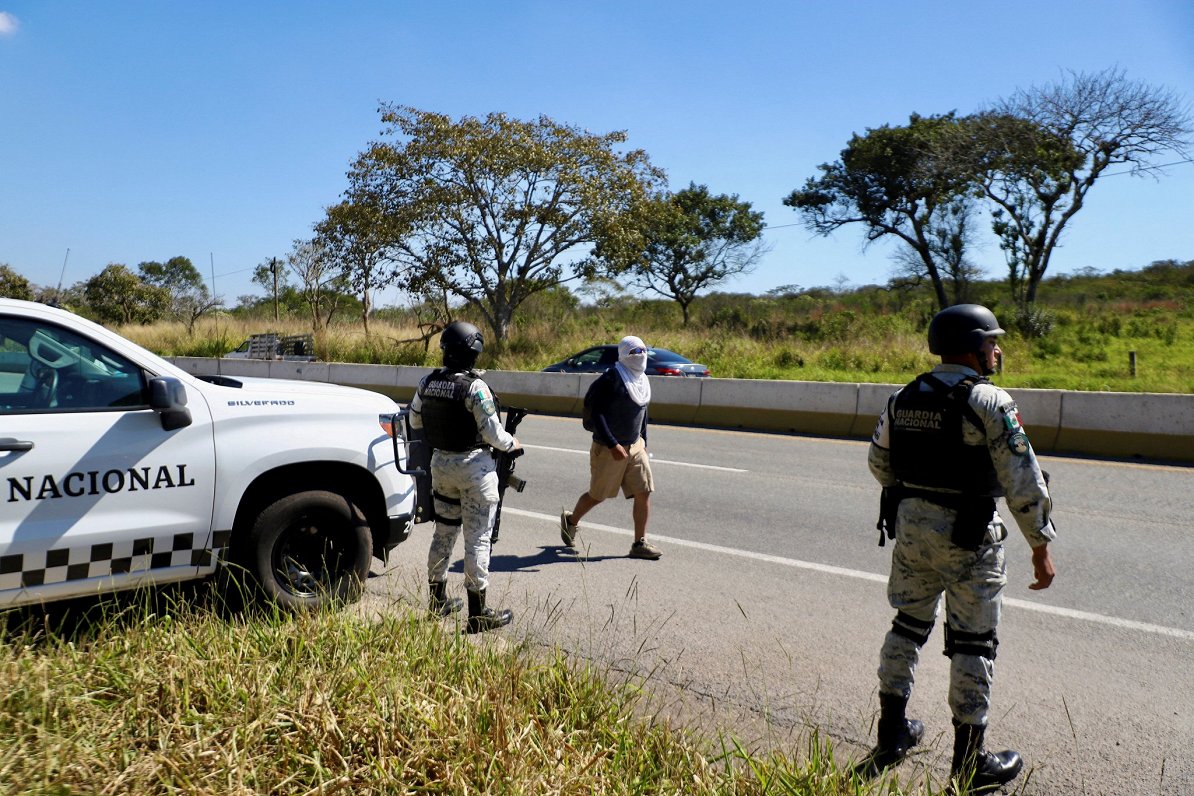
164 696
1078 336
172 698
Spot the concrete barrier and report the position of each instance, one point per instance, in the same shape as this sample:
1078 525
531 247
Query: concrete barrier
1040 412
1129 425
826 408
1151 425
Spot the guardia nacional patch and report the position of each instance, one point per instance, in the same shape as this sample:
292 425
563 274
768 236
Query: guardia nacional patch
1018 443
487 403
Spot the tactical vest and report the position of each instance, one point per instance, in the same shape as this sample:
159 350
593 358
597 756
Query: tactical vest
448 425
927 448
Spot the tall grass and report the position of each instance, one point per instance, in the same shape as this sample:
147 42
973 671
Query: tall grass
156 696
1084 347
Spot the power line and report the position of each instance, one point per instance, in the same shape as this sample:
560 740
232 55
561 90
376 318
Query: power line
238 271
1151 168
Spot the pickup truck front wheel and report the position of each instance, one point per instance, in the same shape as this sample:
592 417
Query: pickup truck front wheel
309 549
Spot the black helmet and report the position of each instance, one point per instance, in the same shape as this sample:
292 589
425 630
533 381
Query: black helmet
461 343
961 329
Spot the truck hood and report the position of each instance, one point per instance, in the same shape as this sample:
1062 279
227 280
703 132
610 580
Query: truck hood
256 388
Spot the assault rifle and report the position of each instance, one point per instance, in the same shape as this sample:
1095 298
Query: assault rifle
505 469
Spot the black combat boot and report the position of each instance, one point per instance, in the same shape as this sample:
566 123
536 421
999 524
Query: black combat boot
481 618
976 770
440 605
896 737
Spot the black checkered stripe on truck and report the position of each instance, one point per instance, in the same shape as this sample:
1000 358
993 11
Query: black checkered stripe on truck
132 556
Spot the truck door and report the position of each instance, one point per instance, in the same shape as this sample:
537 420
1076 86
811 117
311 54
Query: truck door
94 494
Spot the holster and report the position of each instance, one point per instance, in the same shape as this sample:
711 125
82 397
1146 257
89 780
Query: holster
974 517
889 506
974 514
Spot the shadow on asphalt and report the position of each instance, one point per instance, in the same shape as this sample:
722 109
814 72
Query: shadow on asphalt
546 556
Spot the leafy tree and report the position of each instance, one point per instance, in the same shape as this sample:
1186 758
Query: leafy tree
900 181
322 284
117 295
1044 148
13 285
290 303
689 241
273 278
189 297
602 291
354 235
494 210
67 298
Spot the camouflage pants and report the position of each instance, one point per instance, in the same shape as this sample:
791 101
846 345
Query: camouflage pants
466 495
924 565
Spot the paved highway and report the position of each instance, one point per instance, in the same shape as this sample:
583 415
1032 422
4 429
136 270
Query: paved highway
766 613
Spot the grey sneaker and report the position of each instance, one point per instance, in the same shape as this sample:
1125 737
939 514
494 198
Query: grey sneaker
567 529
644 549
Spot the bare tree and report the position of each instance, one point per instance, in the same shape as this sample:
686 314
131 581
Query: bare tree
949 243
322 281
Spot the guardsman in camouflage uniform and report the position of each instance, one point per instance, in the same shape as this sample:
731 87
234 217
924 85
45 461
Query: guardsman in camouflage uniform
459 416
945 447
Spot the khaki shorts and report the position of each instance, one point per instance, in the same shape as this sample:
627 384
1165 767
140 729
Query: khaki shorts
632 475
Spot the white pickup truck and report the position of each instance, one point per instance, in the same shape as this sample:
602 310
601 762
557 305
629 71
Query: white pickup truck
118 469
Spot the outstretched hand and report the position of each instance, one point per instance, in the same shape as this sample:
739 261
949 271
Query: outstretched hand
1042 568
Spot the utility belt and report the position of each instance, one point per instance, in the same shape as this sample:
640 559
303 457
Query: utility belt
471 448
974 513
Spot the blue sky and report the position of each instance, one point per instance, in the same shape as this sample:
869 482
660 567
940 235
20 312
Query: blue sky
133 131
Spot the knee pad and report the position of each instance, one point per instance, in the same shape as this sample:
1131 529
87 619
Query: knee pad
915 630
447 509
960 642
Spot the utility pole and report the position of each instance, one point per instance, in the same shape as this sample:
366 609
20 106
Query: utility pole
273 269
61 276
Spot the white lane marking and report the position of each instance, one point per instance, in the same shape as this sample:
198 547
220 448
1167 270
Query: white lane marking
653 460
1068 613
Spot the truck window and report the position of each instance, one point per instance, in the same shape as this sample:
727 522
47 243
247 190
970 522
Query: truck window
46 368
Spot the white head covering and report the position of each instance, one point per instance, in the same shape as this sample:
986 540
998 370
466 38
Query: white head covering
632 368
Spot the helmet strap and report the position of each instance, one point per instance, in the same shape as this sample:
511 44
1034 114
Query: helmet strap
970 359
460 359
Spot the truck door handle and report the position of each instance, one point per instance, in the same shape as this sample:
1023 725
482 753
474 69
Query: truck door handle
10 444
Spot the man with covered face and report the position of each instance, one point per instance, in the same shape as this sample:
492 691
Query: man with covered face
618 458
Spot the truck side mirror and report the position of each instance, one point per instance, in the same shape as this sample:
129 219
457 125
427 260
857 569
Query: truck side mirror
168 398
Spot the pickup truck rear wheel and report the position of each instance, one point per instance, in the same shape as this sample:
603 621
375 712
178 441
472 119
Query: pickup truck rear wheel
310 549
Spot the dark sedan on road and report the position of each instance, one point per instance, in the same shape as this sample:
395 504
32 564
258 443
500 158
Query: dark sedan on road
600 358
